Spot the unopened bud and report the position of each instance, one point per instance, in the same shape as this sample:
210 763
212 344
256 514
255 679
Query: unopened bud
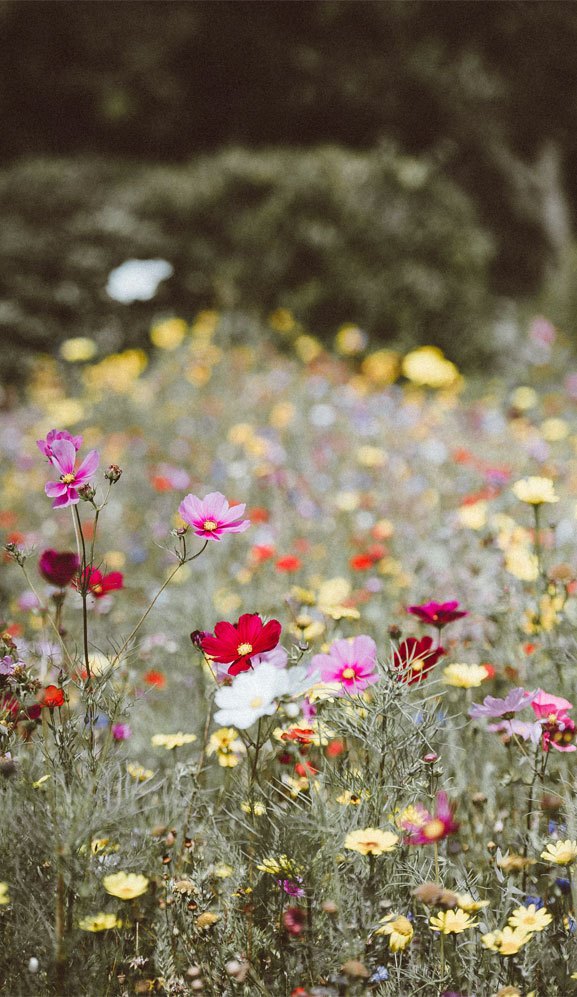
113 473
87 493
395 632
15 552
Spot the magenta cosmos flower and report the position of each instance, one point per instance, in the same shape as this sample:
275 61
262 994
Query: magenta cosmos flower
351 662
437 614
235 644
426 828
63 458
45 446
558 728
212 516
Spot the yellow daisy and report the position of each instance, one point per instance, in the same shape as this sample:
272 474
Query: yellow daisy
451 922
125 885
371 840
530 918
560 852
399 930
535 491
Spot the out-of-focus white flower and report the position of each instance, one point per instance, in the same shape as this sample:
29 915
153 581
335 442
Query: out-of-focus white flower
137 280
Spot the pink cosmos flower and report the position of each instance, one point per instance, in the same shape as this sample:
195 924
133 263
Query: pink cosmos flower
437 614
548 707
351 662
212 516
63 458
45 446
520 728
429 828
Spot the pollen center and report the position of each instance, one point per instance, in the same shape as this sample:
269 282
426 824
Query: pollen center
67 479
434 829
256 702
209 525
348 673
417 664
244 649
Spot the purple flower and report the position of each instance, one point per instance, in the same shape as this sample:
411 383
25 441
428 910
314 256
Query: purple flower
7 665
526 731
291 886
491 707
63 458
45 446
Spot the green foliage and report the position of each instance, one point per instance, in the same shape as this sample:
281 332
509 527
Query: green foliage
378 238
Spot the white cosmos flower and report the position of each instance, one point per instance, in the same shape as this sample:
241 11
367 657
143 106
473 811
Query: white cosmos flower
137 280
255 694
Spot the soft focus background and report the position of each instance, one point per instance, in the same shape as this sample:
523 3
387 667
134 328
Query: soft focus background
406 166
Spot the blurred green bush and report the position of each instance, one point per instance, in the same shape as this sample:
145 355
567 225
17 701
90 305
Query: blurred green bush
379 239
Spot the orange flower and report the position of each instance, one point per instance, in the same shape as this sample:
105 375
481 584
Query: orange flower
152 677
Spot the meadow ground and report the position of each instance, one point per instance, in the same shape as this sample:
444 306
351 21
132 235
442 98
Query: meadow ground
305 798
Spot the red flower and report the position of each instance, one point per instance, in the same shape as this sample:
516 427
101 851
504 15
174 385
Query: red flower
98 584
58 567
261 552
438 614
152 677
414 658
235 644
361 562
288 563
51 697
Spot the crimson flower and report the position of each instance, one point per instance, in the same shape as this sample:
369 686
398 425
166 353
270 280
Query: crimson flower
425 828
58 567
235 644
414 658
98 584
294 920
437 614
52 697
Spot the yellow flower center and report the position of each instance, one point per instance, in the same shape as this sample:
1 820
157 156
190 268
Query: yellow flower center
256 702
417 664
67 479
209 524
244 649
434 829
348 673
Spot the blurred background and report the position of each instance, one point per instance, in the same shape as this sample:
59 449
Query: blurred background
410 167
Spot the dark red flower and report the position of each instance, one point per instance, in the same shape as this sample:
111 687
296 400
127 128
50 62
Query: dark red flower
414 658
235 644
437 614
51 697
98 584
9 706
294 920
58 567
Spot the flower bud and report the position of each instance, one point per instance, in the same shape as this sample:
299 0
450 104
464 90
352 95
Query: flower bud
113 474
87 493
33 965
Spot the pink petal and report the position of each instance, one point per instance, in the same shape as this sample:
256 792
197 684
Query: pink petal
55 488
88 467
63 456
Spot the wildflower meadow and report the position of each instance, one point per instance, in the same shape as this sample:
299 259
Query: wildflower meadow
288 669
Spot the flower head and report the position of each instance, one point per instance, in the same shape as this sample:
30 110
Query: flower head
51 697
4 898
236 644
429 828
548 707
45 446
398 929
58 567
99 922
465 676
451 922
98 584
492 707
212 516
351 663
371 840
254 694
227 746
437 614
560 852
506 942
535 491
530 918
171 741
125 885
413 659
63 458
